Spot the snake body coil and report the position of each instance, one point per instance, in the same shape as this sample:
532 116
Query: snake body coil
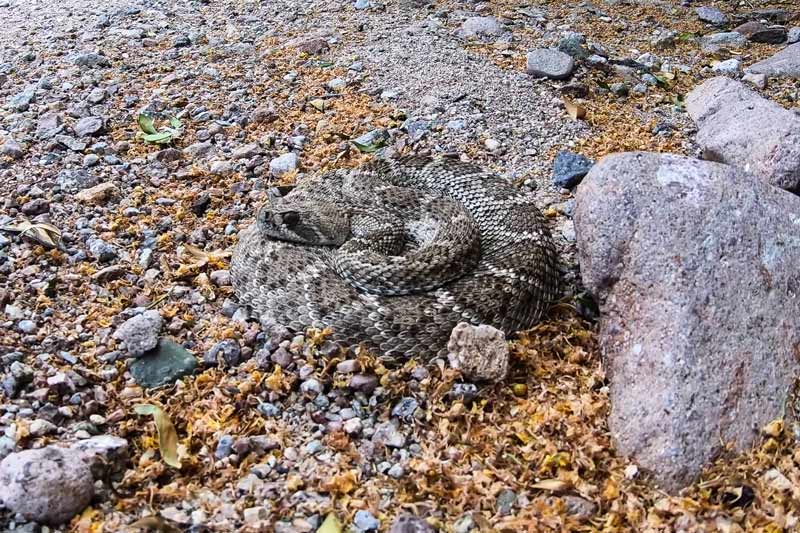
394 254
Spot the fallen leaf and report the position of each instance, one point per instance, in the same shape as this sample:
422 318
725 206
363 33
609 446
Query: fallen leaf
47 235
167 437
552 485
330 525
576 111
146 124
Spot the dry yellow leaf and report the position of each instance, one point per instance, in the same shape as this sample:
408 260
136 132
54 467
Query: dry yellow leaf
576 111
167 437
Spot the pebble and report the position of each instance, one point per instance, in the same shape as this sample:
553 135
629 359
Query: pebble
47 485
27 326
164 365
224 447
225 353
712 15
569 168
12 149
549 63
364 521
730 67
283 164
140 333
475 27
88 126
365 383
405 408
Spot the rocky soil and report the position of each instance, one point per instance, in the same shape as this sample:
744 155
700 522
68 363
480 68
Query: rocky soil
127 363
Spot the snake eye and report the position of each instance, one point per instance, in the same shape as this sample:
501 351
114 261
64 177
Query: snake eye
290 218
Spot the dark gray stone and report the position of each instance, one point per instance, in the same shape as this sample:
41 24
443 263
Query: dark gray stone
569 169
163 365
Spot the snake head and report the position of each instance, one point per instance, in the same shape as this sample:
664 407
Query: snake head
297 222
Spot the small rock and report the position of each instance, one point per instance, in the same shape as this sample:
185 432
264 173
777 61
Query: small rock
364 521
784 64
47 485
224 447
163 365
40 427
480 352
49 126
717 42
12 149
405 408
247 151
97 95
730 67
572 43
27 326
140 333
90 59
548 63
793 35
569 169
387 434
757 32
348 366
406 523
366 383
711 15
756 80
505 502
311 386
224 353
476 27
492 144
579 508
283 164
88 126
97 194
353 426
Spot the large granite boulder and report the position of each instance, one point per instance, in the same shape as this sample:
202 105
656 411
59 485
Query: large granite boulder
739 127
695 266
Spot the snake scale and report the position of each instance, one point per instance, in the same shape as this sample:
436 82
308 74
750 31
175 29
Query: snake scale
394 254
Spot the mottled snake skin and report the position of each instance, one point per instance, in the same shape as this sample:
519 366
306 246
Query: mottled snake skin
394 254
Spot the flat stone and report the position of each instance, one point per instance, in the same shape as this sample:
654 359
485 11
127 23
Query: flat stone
283 164
88 126
784 64
140 333
97 194
694 266
548 63
758 32
475 27
712 15
163 365
406 523
729 67
12 149
47 485
480 352
717 42
569 168
739 127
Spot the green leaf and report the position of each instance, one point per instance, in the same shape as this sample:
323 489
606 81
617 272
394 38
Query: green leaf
686 36
167 437
146 124
162 137
175 123
330 525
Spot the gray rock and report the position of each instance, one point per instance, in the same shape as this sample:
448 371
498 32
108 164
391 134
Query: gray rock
388 435
405 408
793 35
406 523
365 383
71 142
758 32
88 126
693 265
101 250
163 365
784 64
75 180
97 95
569 168
21 101
548 63
247 151
283 164
49 126
200 150
757 80
572 43
224 447
505 502
48 485
475 27
12 149
738 127
364 521
712 15
27 326
140 333
480 352
224 353
90 59
730 67
717 42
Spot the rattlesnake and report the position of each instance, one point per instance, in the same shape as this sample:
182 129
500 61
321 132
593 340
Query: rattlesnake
394 254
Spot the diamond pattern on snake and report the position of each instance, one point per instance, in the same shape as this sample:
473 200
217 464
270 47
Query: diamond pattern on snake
394 254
